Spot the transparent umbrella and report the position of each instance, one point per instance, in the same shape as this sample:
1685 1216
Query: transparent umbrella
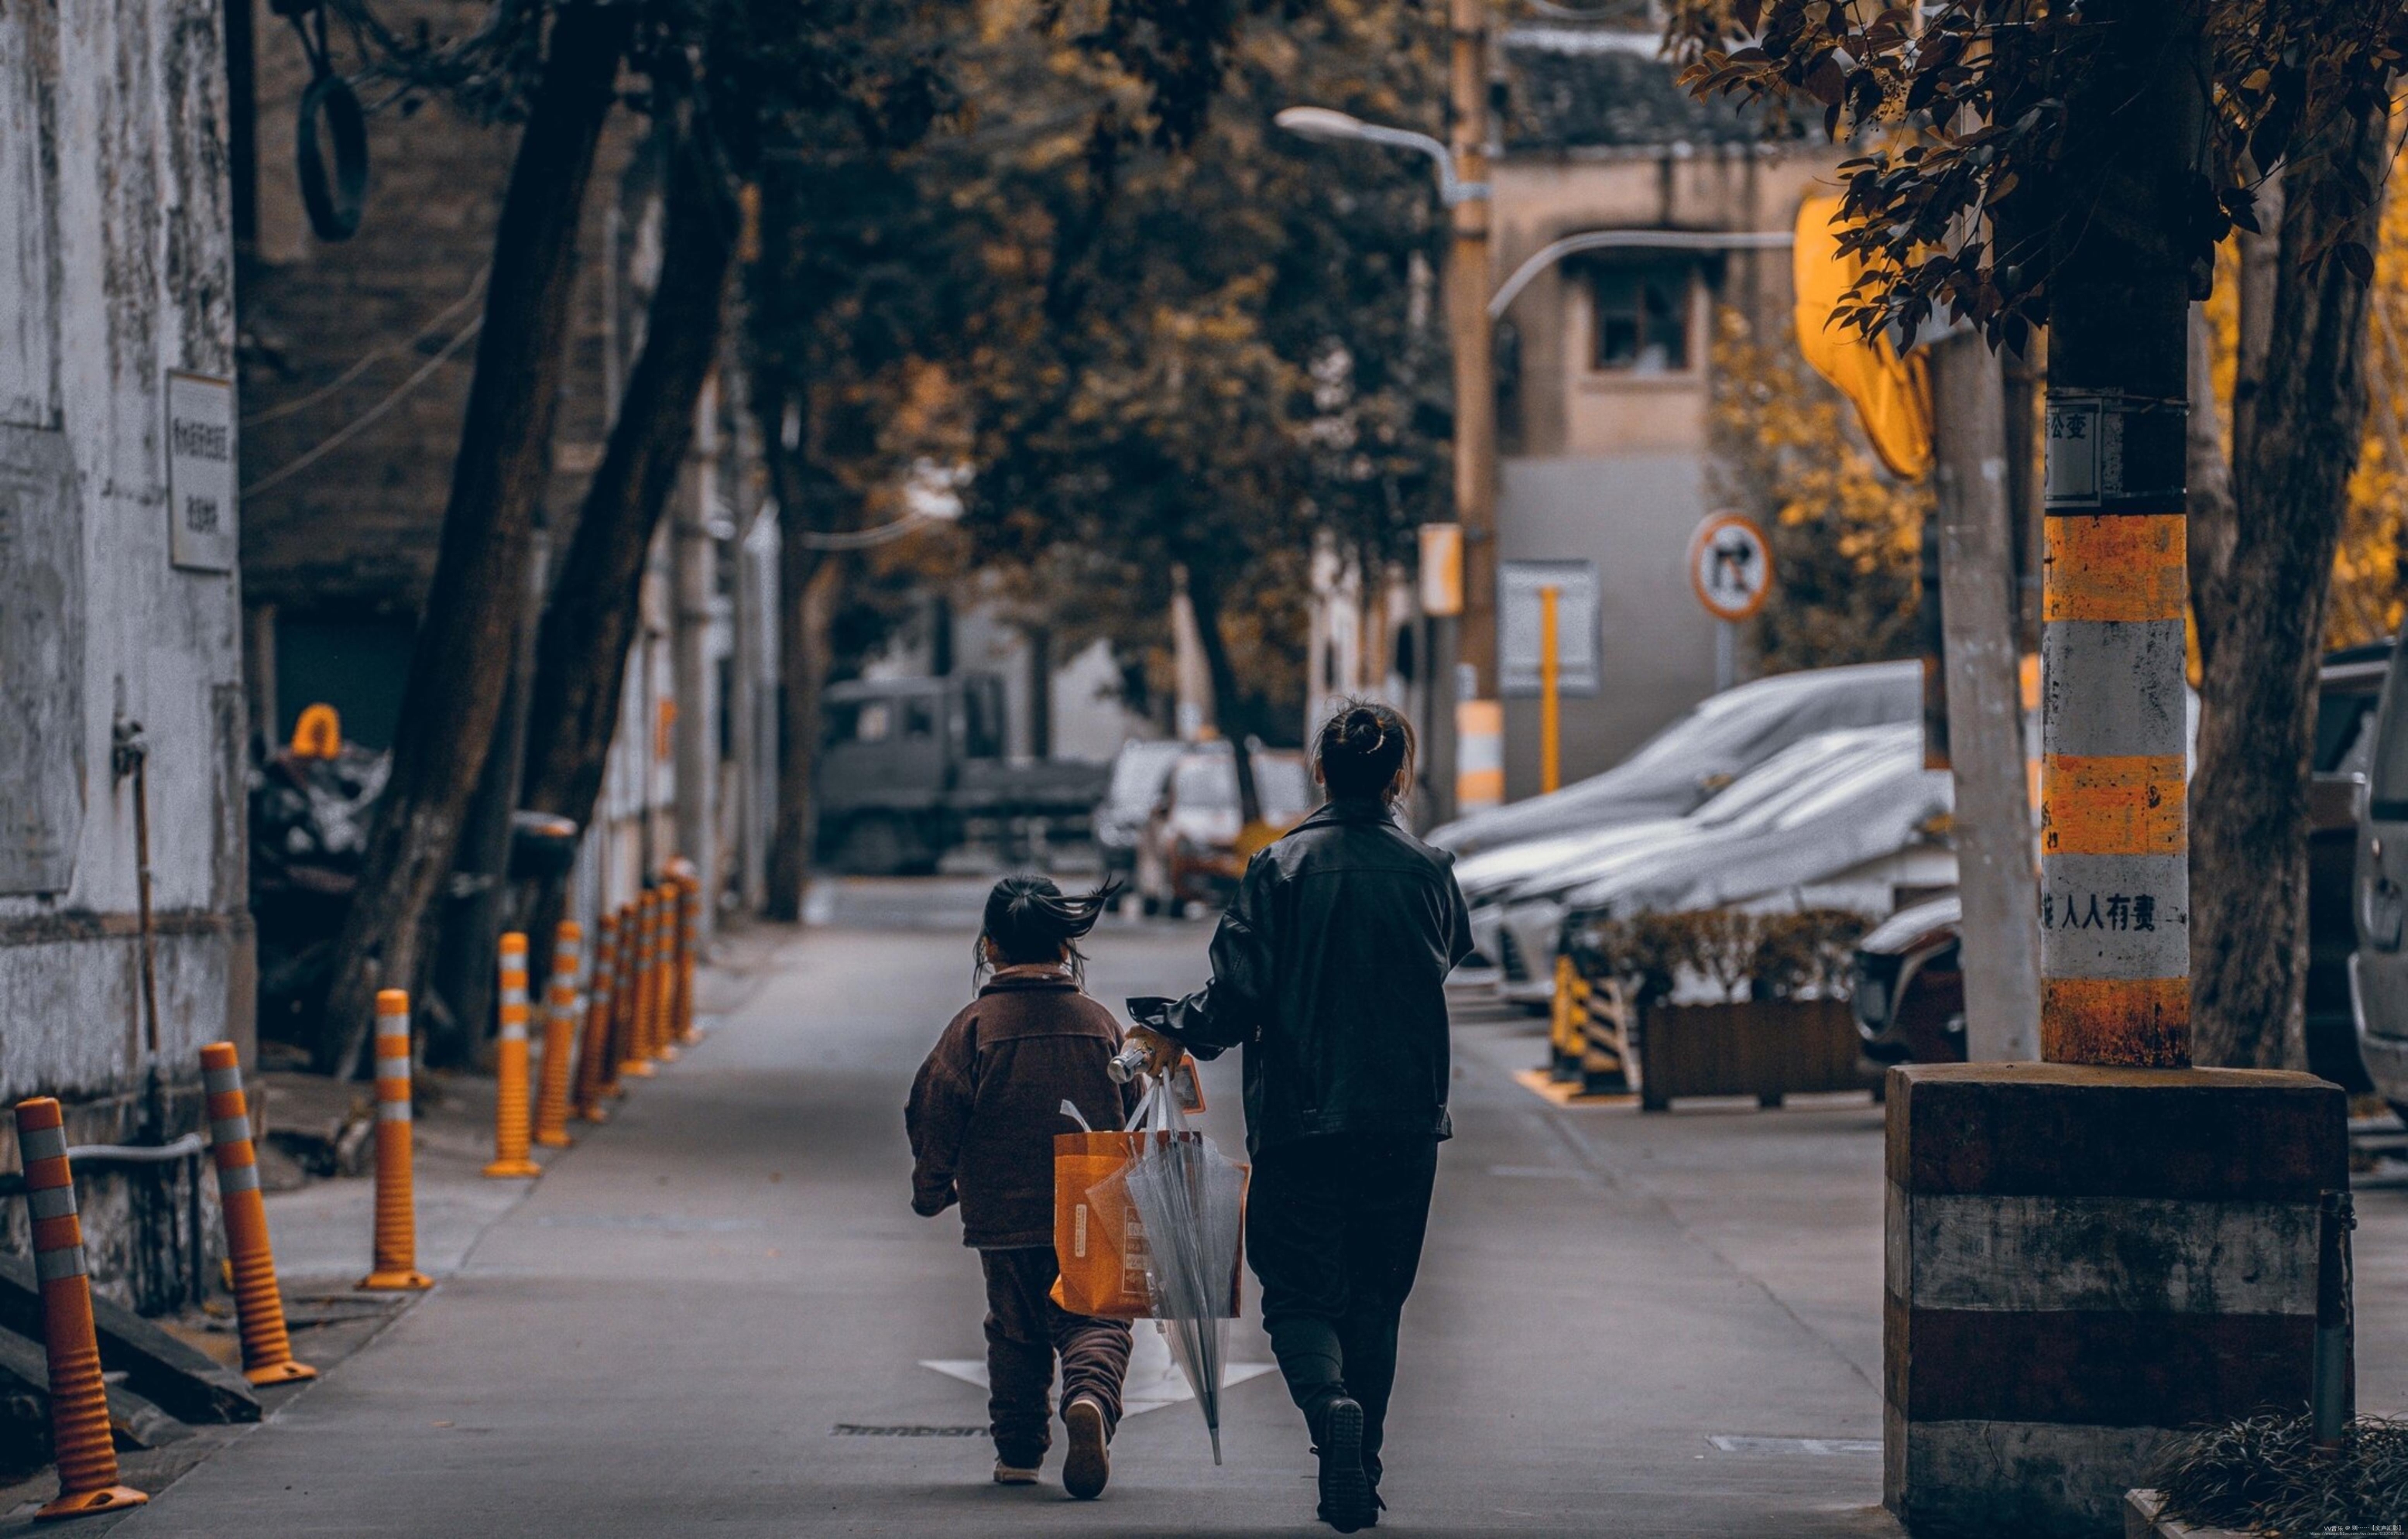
1191 1199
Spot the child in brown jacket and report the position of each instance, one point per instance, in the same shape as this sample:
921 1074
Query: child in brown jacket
983 1113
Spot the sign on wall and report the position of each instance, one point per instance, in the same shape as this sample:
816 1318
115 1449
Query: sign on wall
200 473
1519 584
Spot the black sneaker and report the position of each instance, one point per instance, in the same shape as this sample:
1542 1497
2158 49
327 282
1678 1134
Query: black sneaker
1346 1503
1089 1464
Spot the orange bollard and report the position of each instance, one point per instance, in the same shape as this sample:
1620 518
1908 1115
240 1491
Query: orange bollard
259 1303
79 1401
593 1051
396 1203
511 1127
559 1037
657 999
638 1061
623 1003
689 910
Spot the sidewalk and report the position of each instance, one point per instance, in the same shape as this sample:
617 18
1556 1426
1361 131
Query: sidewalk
322 1233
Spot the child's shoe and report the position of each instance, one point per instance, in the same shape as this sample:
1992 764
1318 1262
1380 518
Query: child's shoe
1013 1474
1090 1461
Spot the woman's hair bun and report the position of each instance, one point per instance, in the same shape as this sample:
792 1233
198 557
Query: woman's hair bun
1365 748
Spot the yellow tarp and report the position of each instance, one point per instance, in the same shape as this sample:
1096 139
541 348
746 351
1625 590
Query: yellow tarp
1892 394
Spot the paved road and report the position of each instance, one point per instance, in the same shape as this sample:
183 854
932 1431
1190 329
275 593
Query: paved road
665 1335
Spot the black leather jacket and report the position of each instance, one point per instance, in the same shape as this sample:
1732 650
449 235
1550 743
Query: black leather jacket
1330 969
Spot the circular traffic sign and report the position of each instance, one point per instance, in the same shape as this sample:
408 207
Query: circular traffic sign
1731 566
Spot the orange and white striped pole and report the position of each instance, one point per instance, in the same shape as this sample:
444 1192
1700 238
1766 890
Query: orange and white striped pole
622 1000
396 1201
593 1051
639 1058
79 1437
2114 904
258 1301
664 966
559 1037
689 897
510 1124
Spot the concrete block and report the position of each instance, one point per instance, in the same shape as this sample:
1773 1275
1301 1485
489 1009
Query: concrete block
2081 1261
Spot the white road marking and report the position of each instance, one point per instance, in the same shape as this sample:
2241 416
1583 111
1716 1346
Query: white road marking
1153 1380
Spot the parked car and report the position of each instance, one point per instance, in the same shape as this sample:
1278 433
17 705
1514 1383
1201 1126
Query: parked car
1844 819
910 768
1909 993
1547 868
2378 969
1139 772
1719 739
1192 849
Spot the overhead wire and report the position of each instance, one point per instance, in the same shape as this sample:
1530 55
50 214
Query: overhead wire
368 360
352 429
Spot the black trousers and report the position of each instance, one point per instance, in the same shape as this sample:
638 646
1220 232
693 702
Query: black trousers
1026 1329
1334 1229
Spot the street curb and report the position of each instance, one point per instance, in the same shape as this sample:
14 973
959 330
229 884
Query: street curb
2144 1518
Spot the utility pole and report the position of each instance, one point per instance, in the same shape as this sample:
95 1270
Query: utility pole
2115 823
1472 688
1986 721
693 557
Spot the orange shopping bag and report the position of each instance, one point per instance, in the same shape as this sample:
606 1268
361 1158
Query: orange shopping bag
1097 1237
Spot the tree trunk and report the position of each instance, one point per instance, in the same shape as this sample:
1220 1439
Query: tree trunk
807 585
581 671
2249 800
1985 722
581 657
1204 594
474 910
457 668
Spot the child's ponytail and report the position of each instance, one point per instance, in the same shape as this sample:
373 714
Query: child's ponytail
1030 920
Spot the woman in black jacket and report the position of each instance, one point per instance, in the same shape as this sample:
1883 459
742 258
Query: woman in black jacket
1330 970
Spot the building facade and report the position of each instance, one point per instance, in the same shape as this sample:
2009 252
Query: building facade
125 938
1606 374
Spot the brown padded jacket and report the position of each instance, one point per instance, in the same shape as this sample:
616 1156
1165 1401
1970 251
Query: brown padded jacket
986 1104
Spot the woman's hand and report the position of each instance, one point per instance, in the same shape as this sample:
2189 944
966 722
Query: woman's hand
1159 1052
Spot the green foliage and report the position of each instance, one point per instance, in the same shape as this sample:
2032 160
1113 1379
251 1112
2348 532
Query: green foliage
1845 536
1146 357
2266 1474
1806 954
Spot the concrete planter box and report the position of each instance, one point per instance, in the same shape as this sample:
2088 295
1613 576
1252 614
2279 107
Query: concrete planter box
2141 1521
1765 1048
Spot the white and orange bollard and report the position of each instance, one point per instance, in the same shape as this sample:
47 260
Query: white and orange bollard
511 1119
397 1200
559 1037
87 1459
662 999
689 912
258 1301
594 1052
638 1061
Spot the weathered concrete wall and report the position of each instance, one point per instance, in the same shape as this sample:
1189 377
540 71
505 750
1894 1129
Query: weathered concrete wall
114 211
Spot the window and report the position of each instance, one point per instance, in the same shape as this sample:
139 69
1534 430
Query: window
920 715
1641 313
860 721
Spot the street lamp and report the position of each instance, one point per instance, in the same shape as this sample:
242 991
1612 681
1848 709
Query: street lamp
1467 727
1327 125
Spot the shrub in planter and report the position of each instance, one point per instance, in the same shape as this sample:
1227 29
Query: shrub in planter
2267 1475
1748 955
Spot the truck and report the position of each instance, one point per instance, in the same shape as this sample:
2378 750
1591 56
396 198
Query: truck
913 768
